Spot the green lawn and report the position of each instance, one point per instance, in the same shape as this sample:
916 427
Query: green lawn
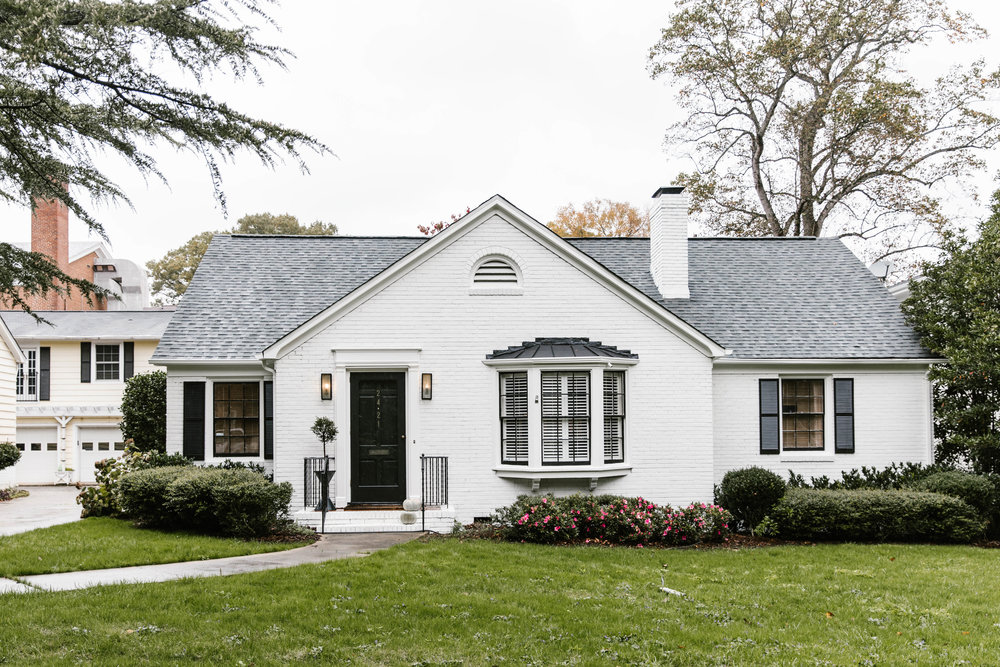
96 543
448 602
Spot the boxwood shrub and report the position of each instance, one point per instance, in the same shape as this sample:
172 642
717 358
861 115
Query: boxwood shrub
102 500
214 501
873 515
608 519
749 493
976 490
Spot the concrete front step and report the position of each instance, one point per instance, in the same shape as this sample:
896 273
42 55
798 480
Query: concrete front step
438 520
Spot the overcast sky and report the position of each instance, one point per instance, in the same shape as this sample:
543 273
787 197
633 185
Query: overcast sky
431 107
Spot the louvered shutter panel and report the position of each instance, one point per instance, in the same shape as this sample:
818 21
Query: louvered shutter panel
268 420
514 418
565 418
843 407
85 362
614 416
129 363
44 372
194 420
770 418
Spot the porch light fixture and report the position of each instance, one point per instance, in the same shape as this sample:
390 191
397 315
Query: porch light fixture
425 386
326 386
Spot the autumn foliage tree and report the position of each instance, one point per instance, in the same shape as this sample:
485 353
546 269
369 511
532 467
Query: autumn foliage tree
801 121
600 217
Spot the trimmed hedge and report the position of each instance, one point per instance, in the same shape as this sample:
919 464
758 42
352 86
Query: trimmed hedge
976 490
873 515
608 519
205 500
103 499
749 493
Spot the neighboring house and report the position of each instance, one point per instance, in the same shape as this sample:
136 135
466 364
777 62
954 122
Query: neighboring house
87 260
69 387
537 363
11 357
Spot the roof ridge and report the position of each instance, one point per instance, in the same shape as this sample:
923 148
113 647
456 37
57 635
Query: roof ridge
322 236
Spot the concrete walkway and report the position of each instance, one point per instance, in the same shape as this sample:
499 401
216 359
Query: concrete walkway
45 506
329 547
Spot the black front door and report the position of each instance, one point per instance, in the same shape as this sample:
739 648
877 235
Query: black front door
378 438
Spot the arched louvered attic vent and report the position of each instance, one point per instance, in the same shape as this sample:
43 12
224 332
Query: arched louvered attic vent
495 272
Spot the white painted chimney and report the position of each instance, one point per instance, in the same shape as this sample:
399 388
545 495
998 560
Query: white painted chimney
668 242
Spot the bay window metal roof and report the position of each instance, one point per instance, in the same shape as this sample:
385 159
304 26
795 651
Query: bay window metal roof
560 348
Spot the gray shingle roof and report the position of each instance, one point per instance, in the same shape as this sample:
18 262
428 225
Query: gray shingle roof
249 291
560 347
761 298
787 298
88 325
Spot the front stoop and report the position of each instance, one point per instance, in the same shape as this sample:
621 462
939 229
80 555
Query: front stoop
438 520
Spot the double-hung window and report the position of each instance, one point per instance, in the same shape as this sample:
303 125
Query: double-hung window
565 418
107 362
237 418
802 414
514 418
794 411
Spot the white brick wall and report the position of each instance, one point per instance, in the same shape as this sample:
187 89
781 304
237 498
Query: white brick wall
669 432
891 413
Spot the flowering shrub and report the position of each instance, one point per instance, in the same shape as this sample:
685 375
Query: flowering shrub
610 519
103 499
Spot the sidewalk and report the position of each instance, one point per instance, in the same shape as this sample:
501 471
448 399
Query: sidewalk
329 547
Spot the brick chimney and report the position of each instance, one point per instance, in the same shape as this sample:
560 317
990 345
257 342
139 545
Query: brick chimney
50 230
668 242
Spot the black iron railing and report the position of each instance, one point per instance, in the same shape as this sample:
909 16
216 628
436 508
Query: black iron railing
312 480
433 484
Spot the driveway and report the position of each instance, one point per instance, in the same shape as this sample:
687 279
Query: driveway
46 506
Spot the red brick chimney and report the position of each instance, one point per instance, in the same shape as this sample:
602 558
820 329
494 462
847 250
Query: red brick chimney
50 231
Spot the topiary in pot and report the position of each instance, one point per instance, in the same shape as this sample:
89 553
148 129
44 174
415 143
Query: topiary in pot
749 494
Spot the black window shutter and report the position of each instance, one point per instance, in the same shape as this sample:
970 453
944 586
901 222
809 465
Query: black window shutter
268 420
770 417
44 361
129 365
85 362
194 420
843 419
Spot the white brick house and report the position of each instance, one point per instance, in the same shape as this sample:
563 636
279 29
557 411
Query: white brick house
636 366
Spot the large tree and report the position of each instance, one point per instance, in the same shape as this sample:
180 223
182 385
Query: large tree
600 217
82 80
801 120
173 272
955 307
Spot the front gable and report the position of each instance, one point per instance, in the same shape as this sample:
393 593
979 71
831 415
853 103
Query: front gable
498 213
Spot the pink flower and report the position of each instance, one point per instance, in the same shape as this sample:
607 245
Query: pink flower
557 528
545 500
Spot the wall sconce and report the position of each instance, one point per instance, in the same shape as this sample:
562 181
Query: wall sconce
425 386
326 386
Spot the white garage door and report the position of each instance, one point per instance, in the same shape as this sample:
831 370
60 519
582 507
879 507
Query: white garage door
97 444
39 455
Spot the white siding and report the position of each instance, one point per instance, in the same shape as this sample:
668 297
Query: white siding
66 388
430 309
892 421
8 377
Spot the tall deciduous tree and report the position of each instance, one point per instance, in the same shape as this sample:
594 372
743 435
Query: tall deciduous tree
955 308
600 217
173 272
800 120
84 79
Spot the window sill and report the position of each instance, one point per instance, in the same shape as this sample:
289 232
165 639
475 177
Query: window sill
803 457
536 474
496 291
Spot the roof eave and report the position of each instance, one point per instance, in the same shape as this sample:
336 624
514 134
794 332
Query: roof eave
561 361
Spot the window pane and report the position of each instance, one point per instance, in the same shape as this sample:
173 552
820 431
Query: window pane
802 407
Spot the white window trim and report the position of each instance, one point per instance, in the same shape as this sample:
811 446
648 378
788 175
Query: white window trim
535 469
210 456
93 360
